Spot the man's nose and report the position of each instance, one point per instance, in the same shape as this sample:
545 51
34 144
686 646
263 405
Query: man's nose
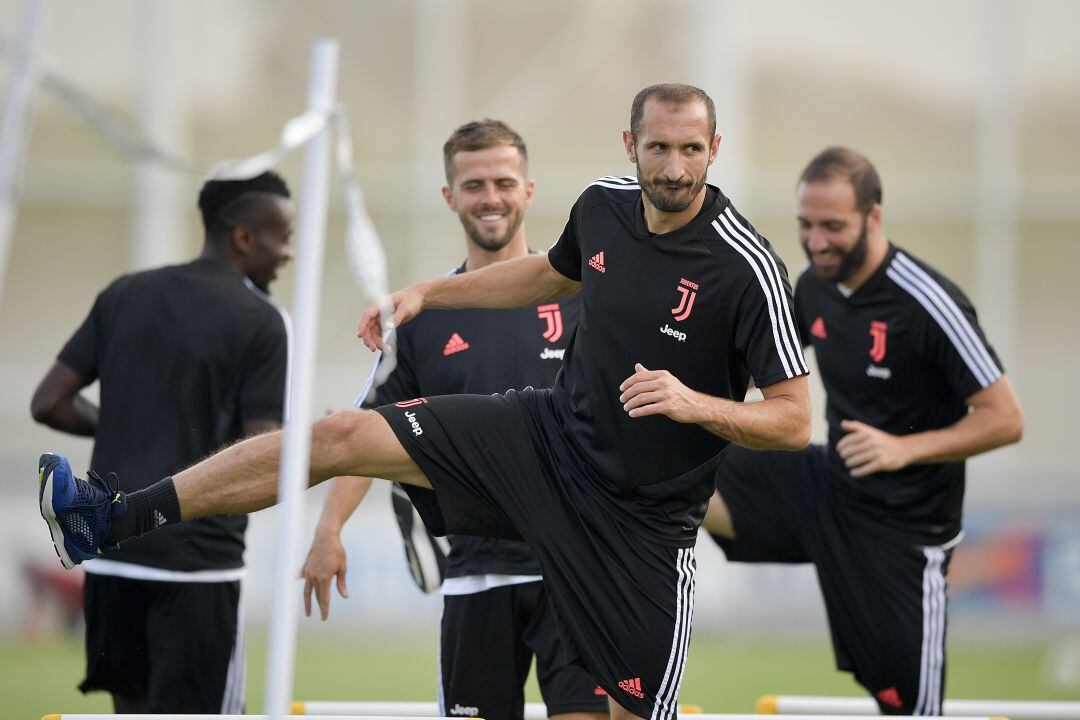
674 168
815 240
491 194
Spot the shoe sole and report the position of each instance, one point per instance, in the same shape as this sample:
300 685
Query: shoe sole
45 496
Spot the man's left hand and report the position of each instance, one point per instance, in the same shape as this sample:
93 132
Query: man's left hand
867 450
658 392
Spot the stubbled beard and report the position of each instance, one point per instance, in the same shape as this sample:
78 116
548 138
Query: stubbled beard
486 243
851 261
663 198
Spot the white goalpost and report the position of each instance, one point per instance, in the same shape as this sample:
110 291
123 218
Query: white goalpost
295 459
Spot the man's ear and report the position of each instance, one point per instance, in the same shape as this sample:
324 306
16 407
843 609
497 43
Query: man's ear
628 143
874 218
243 240
714 148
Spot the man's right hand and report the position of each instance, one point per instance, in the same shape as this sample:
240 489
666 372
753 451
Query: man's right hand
325 560
407 304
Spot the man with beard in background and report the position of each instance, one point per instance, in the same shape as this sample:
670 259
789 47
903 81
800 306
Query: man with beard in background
913 389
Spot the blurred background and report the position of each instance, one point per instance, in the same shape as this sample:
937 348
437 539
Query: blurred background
970 109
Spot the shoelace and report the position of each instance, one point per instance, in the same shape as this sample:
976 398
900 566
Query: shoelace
108 488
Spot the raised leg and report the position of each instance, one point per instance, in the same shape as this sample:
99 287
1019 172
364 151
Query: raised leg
244 477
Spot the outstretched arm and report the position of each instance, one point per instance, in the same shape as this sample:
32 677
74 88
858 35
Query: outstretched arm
326 558
994 420
57 402
513 283
779 422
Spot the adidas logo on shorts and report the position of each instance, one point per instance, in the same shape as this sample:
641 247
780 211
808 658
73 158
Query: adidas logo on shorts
632 686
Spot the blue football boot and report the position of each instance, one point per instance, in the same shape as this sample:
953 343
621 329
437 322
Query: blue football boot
78 511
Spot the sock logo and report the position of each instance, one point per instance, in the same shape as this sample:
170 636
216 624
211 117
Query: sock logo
159 519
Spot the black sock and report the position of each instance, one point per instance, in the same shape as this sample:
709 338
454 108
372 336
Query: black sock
147 509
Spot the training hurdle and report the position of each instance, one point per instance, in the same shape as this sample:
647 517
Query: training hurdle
533 710
144 716
426 710
537 711
846 706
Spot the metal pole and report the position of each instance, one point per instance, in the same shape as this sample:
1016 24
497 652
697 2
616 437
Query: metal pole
440 34
295 453
997 222
15 134
158 200
718 65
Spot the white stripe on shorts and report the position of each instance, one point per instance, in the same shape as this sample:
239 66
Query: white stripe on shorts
668 695
232 702
933 642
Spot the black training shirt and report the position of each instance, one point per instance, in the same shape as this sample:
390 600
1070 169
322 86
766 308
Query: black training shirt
480 351
184 356
709 302
902 354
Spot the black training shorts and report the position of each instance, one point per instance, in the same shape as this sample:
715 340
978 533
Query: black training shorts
487 645
176 645
885 598
500 468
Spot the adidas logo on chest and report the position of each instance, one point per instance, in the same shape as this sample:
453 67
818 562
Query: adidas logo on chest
454 345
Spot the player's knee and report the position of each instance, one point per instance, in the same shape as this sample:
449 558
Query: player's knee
618 712
342 426
339 433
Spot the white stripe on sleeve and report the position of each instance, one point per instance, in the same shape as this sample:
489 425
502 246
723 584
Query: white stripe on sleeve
792 362
943 309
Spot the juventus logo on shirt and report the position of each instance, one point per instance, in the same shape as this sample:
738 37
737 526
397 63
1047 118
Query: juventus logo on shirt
553 315
687 294
877 331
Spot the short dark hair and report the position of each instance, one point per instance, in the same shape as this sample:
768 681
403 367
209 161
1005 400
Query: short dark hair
480 135
846 164
673 93
224 204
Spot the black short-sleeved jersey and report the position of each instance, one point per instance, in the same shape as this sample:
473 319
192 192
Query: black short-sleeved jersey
480 351
902 354
709 302
184 355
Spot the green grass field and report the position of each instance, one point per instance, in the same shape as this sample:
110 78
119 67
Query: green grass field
724 674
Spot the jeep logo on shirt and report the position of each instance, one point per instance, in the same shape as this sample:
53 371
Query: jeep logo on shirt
668 330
